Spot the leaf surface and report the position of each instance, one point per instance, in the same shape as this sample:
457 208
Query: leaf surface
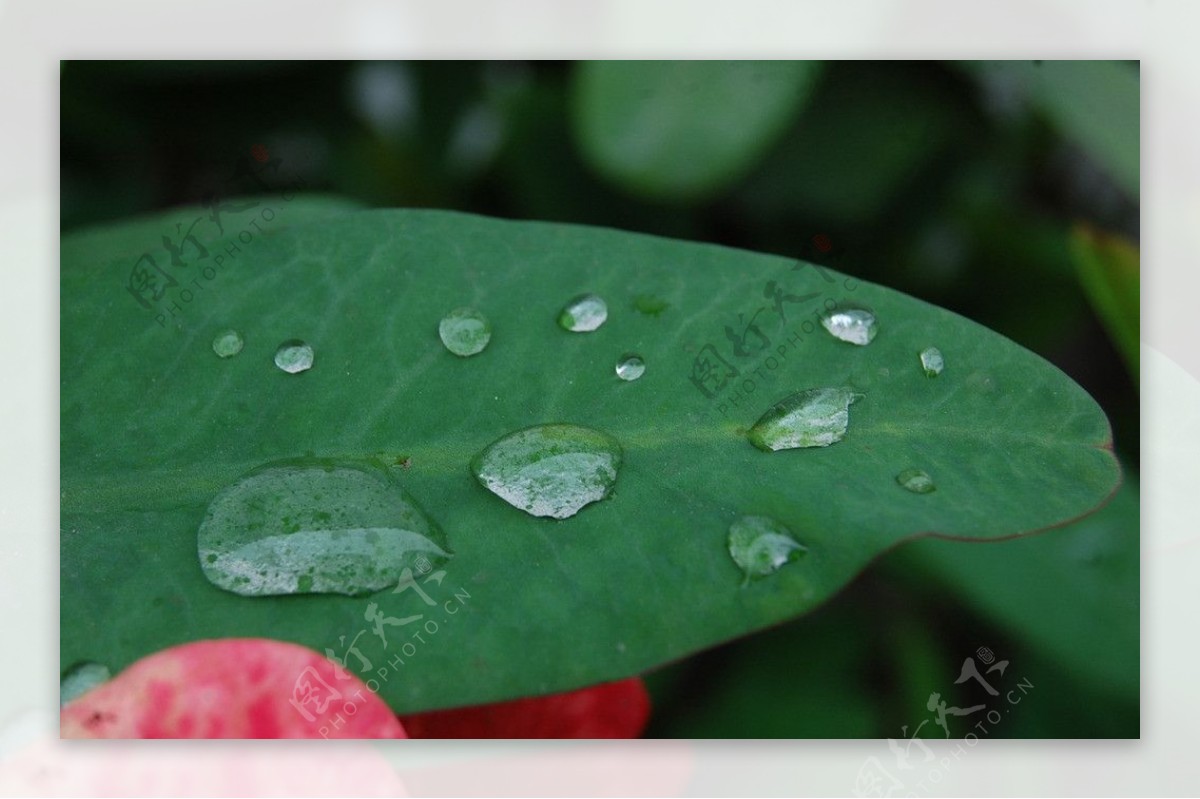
154 425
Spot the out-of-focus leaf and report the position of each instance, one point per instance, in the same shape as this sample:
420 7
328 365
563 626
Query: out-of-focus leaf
682 130
1095 104
867 132
1109 269
809 679
1072 592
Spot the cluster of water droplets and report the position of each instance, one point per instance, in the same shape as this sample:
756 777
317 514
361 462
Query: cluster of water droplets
348 527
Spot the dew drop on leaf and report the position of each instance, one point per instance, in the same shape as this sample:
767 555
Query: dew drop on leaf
630 367
854 325
932 361
550 470
465 331
316 526
294 356
817 417
227 343
916 481
759 545
583 314
81 678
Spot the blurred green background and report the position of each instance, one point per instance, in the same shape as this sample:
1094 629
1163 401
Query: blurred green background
1005 191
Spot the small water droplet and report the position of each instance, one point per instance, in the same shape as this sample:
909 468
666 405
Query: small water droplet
465 331
760 545
583 314
551 469
630 366
855 325
81 678
315 526
817 417
294 356
932 361
227 343
916 481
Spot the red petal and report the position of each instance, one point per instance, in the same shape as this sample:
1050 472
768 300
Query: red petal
231 688
613 710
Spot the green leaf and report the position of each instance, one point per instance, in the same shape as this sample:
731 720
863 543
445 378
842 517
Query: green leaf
683 130
1095 104
1109 267
1072 593
154 425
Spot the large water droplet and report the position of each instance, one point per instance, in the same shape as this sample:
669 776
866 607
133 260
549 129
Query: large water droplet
551 469
316 526
932 361
583 314
465 331
81 678
227 343
916 481
294 356
817 417
630 367
855 325
760 545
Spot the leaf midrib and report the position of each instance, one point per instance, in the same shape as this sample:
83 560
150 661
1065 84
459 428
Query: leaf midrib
82 493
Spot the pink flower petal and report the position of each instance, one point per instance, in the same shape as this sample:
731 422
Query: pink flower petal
231 688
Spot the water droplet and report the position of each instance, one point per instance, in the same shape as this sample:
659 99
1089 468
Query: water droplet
551 469
294 356
817 417
227 343
583 314
81 678
630 367
932 361
916 481
760 545
465 331
315 526
855 325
